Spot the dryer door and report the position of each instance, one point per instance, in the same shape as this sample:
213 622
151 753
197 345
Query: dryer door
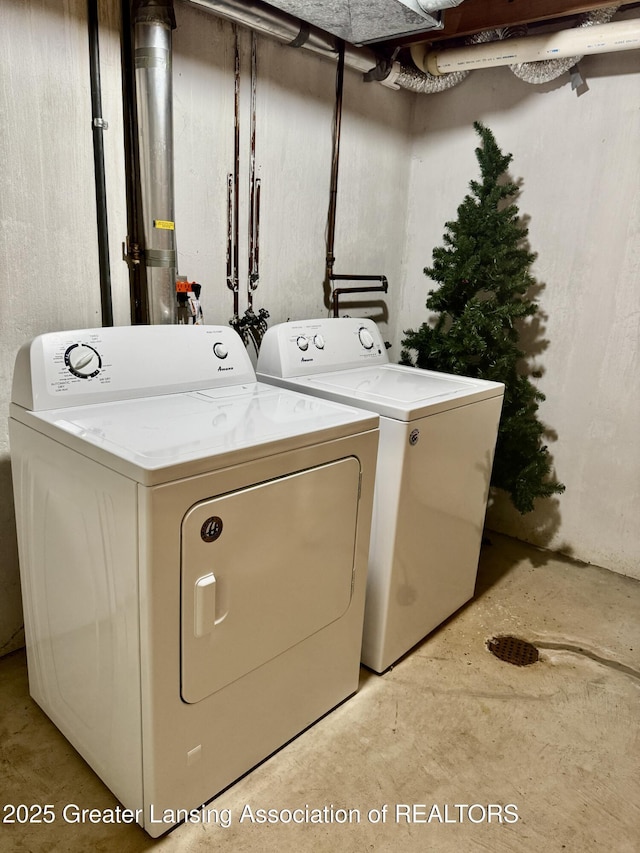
263 568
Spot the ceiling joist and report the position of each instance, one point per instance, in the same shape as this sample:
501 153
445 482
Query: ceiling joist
473 16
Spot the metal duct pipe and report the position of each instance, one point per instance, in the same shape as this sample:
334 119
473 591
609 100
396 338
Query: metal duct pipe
288 29
271 22
426 7
606 38
152 56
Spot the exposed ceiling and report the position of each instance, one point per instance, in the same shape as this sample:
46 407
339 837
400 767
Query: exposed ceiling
393 23
365 21
475 16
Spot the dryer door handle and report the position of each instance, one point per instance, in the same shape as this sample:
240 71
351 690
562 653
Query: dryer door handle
204 611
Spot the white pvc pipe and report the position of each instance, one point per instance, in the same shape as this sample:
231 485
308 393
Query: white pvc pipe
604 38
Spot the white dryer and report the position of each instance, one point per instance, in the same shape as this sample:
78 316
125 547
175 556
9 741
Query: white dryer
437 438
193 552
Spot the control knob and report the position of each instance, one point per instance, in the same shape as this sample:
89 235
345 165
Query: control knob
83 361
302 343
366 338
220 350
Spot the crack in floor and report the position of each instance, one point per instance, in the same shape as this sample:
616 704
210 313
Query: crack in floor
519 652
580 650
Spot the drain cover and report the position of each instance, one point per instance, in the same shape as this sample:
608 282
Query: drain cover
513 650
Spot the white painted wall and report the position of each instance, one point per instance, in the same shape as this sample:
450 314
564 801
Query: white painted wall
48 240
49 268
578 161
295 96
404 167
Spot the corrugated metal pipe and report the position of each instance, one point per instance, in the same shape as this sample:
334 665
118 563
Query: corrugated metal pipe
153 23
286 28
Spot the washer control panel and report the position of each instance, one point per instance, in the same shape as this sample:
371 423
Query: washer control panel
75 368
305 347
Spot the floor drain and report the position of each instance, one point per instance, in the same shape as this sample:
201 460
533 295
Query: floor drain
513 650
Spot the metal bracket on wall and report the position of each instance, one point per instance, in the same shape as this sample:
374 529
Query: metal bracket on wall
131 254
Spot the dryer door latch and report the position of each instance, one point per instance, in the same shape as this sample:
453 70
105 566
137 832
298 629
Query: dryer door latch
204 611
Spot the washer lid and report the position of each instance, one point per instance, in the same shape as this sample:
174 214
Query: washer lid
399 391
162 438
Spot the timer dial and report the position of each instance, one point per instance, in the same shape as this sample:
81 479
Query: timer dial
365 338
83 361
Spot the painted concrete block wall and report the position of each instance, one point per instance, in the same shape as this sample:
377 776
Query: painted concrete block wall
49 269
375 172
577 158
295 94
48 239
405 164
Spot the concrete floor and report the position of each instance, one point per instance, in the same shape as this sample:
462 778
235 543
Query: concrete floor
450 725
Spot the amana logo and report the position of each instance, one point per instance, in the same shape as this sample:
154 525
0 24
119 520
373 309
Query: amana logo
211 529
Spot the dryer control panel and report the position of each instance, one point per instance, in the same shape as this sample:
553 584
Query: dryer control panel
305 347
81 367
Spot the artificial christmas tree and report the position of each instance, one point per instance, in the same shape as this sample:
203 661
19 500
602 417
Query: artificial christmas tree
483 271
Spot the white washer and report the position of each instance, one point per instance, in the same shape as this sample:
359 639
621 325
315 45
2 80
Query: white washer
193 549
437 438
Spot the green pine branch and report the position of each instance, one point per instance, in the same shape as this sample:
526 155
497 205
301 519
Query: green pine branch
483 272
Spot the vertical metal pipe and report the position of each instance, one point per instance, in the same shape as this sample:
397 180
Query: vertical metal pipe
236 176
252 282
332 299
333 189
233 202
98 127
230 246
256 230
152 55
131 250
